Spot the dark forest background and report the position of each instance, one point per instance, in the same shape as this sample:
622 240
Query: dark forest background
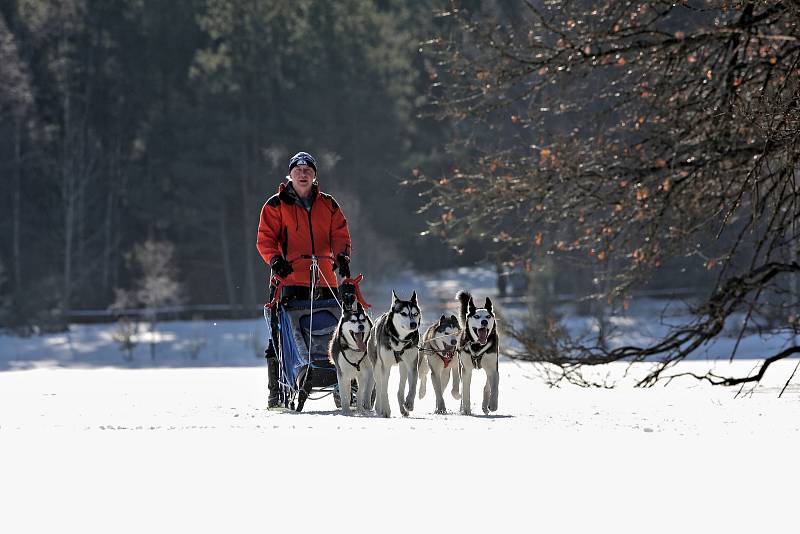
126 121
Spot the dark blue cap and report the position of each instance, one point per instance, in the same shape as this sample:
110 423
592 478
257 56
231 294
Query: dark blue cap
303 158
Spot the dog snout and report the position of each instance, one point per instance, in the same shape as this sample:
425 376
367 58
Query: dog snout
361 328
453 341
484 323
413 324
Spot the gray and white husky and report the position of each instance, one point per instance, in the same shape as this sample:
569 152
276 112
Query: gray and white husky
395 340
479 349
438 354
348 352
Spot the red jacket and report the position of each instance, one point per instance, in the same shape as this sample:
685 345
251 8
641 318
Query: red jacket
287 229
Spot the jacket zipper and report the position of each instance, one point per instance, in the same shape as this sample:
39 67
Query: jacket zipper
311 231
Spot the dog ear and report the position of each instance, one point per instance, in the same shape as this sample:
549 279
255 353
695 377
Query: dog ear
442 320
394 297
453 320
488 305
471 306
414 297
359 308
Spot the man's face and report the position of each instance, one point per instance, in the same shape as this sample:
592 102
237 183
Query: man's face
302 178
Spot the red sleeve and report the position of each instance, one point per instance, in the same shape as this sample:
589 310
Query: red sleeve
340 234
269 232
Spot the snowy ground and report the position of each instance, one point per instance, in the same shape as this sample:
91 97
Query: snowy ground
193 449
92 442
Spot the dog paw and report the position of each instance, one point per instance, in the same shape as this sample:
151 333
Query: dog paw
440 411
485 410
410 406
456 394
403 411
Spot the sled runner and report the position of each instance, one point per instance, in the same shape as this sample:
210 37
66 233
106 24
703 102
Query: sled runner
307 319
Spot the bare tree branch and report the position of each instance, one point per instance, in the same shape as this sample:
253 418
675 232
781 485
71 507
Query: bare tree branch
617 137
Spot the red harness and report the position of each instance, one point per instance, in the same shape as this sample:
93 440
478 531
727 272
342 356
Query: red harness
446 360
355 281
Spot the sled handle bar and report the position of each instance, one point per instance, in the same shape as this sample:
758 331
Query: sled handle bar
279 282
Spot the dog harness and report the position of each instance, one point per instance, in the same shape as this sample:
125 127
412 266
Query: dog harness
440 354
405 343
445 359
357 365
476 352
359 297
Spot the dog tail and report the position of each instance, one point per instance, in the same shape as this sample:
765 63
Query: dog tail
463 297
423 369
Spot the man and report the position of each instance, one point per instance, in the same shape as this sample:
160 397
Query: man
299 222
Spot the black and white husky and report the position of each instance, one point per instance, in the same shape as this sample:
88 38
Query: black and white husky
348 352
395 340
479 348
438 354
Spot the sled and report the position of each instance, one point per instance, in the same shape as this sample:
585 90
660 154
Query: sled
305 328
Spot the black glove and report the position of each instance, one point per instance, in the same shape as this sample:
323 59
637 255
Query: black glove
343 262
280 266
348 292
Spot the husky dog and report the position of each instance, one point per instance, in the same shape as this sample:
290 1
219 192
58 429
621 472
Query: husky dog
479 349
438 353
348 352
395 340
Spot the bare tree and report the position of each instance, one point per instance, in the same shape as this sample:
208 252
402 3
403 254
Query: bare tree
126 332
155 288
621 135
158 285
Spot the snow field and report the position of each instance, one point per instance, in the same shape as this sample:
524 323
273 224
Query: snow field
194 450
90 442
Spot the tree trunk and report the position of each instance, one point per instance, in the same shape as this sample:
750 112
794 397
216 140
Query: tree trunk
84 170
153 333
68 200
80 220
226 259
108 229
795 248
108 223
16 255
248 234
